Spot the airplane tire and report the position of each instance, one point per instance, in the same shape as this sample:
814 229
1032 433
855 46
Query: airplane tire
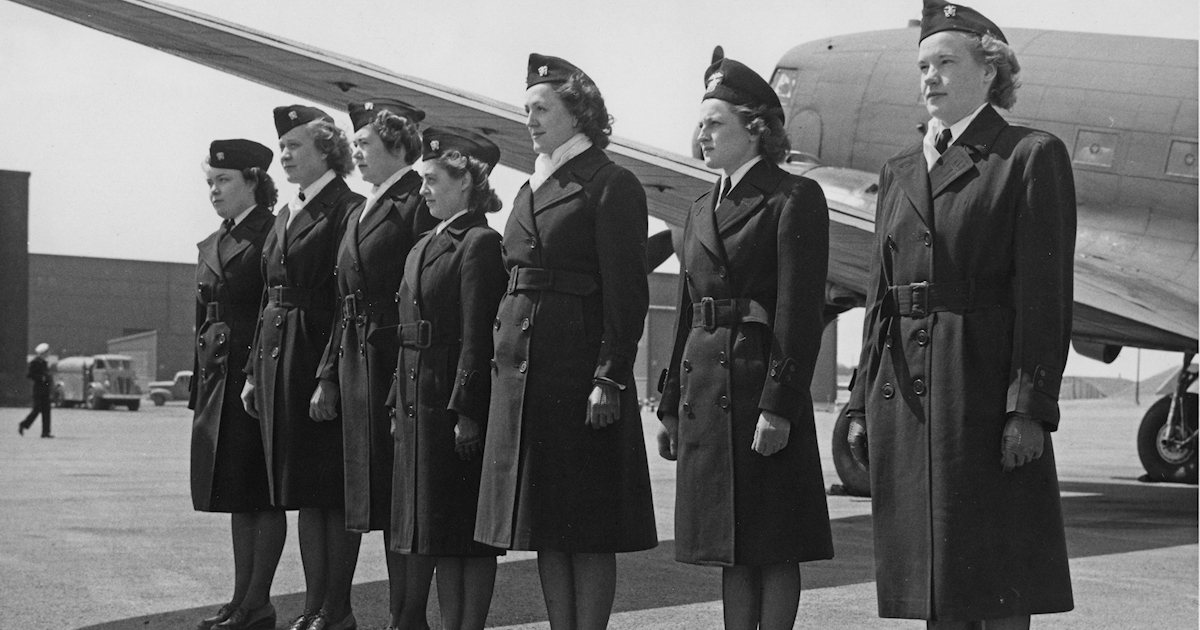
856 480
1163 463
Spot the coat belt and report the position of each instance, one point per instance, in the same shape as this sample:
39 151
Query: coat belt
230 311
358 306
922 298
710 313
537 279
422 334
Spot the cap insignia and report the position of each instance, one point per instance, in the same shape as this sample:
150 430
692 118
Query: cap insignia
950 10
368 106
714 81
435 145
543 71
220 156
293 115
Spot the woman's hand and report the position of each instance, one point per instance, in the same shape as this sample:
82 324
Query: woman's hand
468 438
604 406
771 434
668 437
1023 441
323 406
248 398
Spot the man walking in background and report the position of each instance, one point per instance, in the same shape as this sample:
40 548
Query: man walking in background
39 373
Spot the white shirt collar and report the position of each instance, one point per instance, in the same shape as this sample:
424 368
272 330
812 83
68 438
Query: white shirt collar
545 165
741 171
378 191
310 191
445 224
244 213
935 127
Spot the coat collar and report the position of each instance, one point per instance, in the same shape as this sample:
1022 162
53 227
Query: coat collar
448 239
316 210
974 145
569 178
243 235
396 195
710 222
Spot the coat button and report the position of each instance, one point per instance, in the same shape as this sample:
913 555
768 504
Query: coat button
887 342
724 402
532 243
278 321
525 324
221 338
354 266
888 390
721 358
275 352
922 337
282 260
687 365
358 295
687 410
523 366
201 343
412 374
891 245
341 352
918 386
721 271
496 324
410 410
927 238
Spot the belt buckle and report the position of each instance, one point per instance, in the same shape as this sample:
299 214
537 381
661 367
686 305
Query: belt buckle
920 298
213 312
424 334
708 313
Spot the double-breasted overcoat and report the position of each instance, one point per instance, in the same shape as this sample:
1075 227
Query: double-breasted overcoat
304 457
447 305
572 314
370 263
229 472
968 321
752 292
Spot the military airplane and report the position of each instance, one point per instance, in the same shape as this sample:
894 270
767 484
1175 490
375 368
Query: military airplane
1125 106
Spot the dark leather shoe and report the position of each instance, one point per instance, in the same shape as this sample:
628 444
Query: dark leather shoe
47 435
321 622
301 622
221 615
261 618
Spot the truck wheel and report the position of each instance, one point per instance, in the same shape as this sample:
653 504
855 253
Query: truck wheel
856 480
134 405
159 399
1162 459
56 397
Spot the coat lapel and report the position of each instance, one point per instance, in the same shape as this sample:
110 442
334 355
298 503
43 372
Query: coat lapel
210 254
316 210
567 180
748 196
390 201
960 158
243 234
522 210
351 240
913 178
704 224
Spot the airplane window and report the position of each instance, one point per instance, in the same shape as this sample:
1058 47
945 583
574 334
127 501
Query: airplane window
1182 159
783 82
1095 148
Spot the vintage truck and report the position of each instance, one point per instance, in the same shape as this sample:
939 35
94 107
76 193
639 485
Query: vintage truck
97 382
162 391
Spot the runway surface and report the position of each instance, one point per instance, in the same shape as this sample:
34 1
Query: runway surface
97 532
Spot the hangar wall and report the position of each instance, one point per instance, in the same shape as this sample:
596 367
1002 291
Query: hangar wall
14 287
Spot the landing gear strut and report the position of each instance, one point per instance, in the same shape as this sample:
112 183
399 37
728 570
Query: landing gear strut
1167 442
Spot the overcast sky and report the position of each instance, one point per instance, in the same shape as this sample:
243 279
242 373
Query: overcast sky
114 132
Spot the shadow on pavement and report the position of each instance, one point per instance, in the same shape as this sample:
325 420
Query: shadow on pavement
1101 519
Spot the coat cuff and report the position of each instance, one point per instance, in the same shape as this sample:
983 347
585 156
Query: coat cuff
1034 393
614 367
470 395
783 393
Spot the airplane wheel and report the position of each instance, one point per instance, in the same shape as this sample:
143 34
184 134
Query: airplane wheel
1163 459
856 480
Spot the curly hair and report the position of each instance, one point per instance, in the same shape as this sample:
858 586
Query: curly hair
482 198
331 140
767 123
398 132
585 103
265 193
991 51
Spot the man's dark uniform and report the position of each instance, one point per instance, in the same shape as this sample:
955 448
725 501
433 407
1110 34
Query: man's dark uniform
39 373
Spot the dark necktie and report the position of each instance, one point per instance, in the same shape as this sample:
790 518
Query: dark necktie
726 184
943 141
301 195
227 224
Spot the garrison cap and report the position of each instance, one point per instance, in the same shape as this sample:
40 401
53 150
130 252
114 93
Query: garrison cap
547 69
438 140
939 15
363 113
289 117
239 154
733 82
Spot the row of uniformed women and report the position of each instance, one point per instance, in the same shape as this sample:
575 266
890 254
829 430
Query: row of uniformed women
516 420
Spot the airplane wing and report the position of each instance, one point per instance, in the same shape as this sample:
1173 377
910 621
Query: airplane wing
671 181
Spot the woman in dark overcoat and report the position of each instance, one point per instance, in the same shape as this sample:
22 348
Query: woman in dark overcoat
967 329
565 469
360 358
736 407
304 455
229 472
453 280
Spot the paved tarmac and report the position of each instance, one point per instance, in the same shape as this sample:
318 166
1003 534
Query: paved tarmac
97 532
